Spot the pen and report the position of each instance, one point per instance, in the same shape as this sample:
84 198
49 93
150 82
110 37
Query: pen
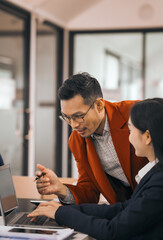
37 177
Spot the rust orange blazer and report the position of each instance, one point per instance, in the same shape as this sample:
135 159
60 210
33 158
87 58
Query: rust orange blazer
92 179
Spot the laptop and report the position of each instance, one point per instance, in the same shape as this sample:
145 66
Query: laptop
10 210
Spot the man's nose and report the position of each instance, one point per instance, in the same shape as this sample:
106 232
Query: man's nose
74 124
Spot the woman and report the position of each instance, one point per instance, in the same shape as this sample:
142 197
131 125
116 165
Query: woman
140 217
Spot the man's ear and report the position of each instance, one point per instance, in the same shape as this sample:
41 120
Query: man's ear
148 137
100 104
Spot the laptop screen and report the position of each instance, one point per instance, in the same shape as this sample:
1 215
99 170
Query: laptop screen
7 190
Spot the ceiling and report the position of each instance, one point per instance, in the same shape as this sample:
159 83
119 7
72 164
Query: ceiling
65 10
97 14
93 15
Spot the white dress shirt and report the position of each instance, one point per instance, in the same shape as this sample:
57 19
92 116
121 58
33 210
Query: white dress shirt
142 172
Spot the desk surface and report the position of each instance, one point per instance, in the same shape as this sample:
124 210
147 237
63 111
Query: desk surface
25 205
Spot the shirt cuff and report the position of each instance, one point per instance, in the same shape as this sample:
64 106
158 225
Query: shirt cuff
69 198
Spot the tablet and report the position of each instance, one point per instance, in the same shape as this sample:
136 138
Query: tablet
37 231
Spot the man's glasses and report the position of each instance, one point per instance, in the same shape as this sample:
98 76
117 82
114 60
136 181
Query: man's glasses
78 119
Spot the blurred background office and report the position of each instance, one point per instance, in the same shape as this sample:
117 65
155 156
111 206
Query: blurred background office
42 42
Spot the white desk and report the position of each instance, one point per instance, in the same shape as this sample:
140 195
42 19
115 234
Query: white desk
78 236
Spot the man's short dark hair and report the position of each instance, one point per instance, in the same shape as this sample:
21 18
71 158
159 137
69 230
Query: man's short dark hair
83 84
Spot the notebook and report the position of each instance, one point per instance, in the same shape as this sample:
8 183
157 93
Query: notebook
10 210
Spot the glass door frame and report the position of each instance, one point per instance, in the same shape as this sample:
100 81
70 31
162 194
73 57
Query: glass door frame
25 16
59 80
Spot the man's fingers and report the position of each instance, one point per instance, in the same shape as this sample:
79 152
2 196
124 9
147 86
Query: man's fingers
41 167
43 181
42 189
43 171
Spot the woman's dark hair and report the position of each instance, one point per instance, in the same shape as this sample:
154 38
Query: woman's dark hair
148 115
83 84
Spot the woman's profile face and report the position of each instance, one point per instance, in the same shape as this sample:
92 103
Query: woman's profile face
137 139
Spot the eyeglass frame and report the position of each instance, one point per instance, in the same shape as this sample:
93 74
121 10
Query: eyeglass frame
62 116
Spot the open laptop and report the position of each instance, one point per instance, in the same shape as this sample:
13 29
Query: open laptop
12 216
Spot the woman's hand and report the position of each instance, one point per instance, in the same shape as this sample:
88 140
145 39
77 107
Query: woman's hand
45 209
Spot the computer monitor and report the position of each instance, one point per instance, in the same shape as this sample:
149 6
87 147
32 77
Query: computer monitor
1 164
1 161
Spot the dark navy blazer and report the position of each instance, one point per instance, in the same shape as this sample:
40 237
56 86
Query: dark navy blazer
139 218
1 161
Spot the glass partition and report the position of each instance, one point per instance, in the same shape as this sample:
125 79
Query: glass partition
46 81
154 65
45 134
12 43
115 59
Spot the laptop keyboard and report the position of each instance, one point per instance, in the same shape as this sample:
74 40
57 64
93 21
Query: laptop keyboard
27 220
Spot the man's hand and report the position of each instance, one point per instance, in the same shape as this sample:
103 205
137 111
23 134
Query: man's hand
45 209
49 183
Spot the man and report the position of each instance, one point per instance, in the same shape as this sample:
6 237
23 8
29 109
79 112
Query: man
99 142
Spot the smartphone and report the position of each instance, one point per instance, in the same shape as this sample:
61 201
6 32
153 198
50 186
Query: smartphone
37 231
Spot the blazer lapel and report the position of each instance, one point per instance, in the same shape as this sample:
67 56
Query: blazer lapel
120 136
122 148
144 180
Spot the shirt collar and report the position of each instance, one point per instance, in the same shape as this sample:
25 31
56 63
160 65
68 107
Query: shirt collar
142 172
106 128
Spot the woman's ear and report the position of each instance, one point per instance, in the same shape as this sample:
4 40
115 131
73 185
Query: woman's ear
148 137
100 104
